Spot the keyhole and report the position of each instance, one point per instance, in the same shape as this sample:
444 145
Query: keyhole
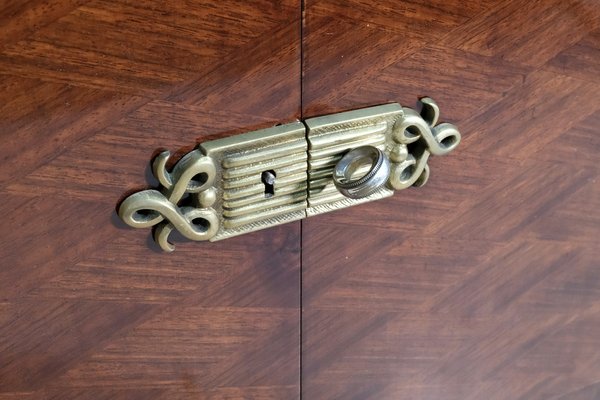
268 179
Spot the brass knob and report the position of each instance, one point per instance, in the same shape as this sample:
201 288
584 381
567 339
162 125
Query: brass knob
370 164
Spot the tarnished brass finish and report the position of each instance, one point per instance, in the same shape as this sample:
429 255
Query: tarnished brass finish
353 183
247 166
224 183
405 136
332 136
244 183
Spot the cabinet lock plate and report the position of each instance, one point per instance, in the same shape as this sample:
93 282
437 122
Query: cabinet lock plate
272 176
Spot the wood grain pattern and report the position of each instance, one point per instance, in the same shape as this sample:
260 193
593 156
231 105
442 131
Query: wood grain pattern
485 282
89 309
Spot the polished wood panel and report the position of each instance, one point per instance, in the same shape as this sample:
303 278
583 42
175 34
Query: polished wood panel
482 284
485 282
89 308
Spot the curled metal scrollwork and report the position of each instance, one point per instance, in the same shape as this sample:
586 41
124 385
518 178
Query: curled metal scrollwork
415 137
193 176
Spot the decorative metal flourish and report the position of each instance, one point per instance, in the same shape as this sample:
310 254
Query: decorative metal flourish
193 175
415 137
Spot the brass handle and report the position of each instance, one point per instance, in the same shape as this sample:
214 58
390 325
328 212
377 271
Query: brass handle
259 179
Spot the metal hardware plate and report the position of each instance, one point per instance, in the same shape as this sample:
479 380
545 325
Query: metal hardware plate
268 177
241 202
330 137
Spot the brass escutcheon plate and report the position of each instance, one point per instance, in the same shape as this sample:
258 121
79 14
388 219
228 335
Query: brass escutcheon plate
272 176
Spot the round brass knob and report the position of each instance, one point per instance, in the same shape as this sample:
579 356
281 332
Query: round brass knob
370 164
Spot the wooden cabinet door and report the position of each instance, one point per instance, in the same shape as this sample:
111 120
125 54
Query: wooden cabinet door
89 308
485 283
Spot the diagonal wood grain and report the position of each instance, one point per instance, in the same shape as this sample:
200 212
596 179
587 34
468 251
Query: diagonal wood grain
582 60
520 25
482 284
20 19
485 282
89 309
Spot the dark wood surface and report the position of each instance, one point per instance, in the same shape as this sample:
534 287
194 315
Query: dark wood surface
485 283
89 309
